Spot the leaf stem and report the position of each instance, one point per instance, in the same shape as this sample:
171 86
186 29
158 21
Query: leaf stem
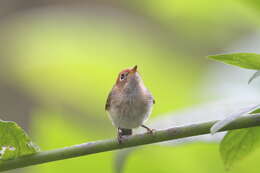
131 141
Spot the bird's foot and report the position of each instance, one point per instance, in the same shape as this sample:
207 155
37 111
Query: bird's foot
122 133
120 139
150 131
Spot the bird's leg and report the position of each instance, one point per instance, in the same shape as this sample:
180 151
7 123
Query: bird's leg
148 129
121 133
119 136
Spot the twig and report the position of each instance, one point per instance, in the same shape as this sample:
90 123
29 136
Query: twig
131 141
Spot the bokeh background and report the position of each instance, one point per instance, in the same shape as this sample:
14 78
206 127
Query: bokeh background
60 58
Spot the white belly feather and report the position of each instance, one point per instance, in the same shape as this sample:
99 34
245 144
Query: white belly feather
131 112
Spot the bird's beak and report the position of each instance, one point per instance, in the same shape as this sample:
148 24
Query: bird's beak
134 69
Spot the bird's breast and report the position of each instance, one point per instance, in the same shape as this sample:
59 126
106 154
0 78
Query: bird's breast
130 110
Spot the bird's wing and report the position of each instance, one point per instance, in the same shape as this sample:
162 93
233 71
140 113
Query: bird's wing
107 107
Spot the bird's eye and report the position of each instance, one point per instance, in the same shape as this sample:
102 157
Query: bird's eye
122 76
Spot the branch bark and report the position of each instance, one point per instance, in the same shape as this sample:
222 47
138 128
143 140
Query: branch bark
131 141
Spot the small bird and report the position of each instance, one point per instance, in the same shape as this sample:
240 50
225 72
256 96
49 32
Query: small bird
129 103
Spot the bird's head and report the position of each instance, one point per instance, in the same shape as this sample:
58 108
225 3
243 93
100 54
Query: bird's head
128 78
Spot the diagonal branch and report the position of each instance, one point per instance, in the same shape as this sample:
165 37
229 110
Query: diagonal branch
135 140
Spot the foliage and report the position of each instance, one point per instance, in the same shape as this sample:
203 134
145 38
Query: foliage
255 75
222 123
238 144
14 142
67 61
244 60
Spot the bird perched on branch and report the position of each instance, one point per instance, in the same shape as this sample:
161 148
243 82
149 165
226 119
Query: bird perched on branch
129 103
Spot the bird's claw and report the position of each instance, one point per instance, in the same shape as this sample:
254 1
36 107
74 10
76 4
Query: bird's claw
121 139
151 131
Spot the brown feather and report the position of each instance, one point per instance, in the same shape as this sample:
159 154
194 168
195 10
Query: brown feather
108 103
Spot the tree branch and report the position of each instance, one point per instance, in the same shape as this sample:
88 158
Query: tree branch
131 141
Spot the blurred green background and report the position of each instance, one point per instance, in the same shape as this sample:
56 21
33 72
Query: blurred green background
60 58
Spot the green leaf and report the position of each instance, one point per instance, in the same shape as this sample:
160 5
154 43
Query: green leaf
232 117
238 144
255 75
255 111
244 60
14 141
